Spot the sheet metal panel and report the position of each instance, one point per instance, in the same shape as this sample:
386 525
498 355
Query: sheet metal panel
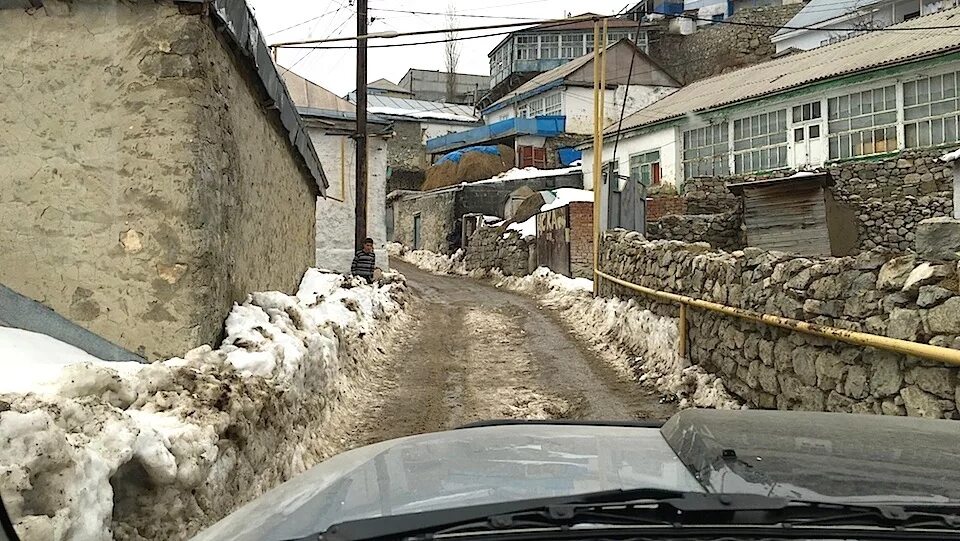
553 240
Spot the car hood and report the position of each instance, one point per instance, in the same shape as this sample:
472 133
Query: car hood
456 468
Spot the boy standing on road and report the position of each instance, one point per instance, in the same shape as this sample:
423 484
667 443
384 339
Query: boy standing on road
365 261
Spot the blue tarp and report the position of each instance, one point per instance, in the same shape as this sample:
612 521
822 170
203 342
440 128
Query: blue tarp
569 155
457 154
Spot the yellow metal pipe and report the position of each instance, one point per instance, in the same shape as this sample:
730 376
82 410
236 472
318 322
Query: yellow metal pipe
906 347
597 148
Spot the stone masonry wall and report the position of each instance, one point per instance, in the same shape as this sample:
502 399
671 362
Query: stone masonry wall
720 48
901 297
721 231
437 219
495 248
406 158
145 189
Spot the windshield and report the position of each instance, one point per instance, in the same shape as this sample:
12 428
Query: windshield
248 245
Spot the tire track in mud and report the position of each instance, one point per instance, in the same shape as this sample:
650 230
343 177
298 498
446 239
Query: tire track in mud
474 352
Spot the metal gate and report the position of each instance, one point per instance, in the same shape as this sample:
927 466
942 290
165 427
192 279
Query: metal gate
626 208
553 240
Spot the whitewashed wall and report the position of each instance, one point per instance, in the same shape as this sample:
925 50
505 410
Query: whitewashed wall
664 140
335 214
437 129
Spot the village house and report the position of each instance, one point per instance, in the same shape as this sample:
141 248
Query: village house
431 85
331 123
821 22
159 174
864 121
546 116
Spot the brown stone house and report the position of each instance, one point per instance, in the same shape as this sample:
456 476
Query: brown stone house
158 171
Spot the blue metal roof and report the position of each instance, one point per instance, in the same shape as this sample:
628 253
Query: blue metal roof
546 126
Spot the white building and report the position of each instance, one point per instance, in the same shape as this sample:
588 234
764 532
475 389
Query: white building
568 90
822 22
331 122
863 98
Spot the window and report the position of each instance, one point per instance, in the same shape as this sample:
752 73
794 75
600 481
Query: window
930 111
552 104
645 168
641 41
588 40
705 151
760 142
862 123
571 46
611 173
807 111
526 47
550 46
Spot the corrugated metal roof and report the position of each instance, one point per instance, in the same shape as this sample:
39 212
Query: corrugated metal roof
870 51
818 11
306 93
413 105
389 86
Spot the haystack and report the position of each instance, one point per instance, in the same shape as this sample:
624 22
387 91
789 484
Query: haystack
472 166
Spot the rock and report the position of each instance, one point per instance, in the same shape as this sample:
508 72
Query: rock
888 407
940 381
925 274
885 376
810 399
920 403
904 324
932 296
767 377
838 402
823 308
765 351
894 273
804 365
826 288
871 260
938 239
855 385
830 370
945 318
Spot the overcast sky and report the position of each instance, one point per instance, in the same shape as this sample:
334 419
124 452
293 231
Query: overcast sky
335 70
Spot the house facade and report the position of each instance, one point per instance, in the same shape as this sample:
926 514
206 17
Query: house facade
174 179
331 124
822 22
525 53
431 85
553 111
872 116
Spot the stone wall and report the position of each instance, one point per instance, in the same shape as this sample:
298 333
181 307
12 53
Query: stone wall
901 297
722 231
157 191
708 195
720 48
406 157
438 218
495 248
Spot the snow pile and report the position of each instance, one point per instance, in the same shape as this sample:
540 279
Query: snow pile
553 199
410 113
641 341
529 172
98 450
431 261
950 156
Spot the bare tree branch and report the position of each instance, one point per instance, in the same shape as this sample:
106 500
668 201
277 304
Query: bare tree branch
451 53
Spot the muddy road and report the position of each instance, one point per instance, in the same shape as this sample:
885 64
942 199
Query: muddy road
473 352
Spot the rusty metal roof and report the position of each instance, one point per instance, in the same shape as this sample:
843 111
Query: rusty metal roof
870 51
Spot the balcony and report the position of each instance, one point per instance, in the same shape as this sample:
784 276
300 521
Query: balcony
546 126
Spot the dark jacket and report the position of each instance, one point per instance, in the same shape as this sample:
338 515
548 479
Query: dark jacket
363 265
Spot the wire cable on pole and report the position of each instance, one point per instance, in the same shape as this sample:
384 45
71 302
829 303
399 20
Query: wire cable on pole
623 106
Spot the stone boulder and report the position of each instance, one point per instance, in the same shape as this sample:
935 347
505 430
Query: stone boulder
938 239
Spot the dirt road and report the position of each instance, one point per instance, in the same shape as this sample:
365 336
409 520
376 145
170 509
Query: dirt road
474 352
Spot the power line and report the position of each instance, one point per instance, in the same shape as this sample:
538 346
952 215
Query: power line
291 27
626 90
784 27
412 12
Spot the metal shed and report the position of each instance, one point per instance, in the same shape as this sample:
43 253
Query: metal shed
792 214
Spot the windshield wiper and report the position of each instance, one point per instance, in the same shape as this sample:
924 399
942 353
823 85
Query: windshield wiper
430 521
714 514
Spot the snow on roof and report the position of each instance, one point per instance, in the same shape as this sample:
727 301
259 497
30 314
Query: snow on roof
564 196
950 156
869 51
528 172
406 107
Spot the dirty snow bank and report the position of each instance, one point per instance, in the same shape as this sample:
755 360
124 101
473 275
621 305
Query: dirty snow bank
637 339
430 261
639 342
126 450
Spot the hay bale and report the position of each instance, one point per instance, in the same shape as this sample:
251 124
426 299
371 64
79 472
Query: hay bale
440 175
472 166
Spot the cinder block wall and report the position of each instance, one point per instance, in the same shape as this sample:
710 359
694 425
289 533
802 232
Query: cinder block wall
145 188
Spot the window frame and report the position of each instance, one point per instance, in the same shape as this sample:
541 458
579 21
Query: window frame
872 129
649 159
931 118
527 43
718 164
773 154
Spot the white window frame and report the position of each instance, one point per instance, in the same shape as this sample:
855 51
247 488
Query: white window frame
553 104
545 45
529 45
636 164
931 118
721 161
851 131
571 46
750 152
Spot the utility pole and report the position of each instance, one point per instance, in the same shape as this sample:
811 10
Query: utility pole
360 231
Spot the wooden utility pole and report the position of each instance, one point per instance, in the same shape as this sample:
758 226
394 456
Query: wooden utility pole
360 231
599 89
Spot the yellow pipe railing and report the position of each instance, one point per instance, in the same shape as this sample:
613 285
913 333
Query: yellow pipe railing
906 347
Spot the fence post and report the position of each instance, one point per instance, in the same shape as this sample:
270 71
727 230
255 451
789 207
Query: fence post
682 346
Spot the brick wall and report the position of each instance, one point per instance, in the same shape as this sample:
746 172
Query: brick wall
658 207
581 239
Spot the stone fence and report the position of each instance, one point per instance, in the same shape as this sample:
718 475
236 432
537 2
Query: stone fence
498 248
875 292
721 231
